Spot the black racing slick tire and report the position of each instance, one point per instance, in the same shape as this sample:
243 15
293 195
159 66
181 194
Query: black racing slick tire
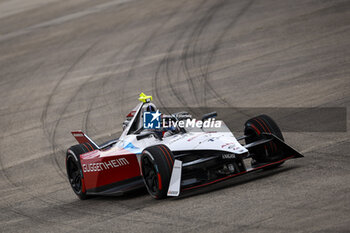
157 165
266 153
73 167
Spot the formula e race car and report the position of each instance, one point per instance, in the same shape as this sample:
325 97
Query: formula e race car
169 154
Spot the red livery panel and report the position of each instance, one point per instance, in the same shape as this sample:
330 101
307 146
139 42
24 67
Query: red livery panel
99 171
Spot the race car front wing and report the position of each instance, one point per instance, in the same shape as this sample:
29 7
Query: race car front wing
178 183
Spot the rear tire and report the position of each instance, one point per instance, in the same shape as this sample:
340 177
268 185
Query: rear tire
268 152
157 165
74 172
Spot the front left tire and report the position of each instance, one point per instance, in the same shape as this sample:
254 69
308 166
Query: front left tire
269 152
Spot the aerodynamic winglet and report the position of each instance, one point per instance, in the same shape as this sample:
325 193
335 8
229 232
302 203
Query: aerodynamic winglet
287 149
175 180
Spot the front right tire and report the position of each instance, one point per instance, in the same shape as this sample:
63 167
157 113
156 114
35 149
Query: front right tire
157 165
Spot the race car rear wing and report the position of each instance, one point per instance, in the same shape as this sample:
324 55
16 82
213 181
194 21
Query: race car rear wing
83 138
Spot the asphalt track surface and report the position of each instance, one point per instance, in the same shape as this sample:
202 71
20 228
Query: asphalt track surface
81 64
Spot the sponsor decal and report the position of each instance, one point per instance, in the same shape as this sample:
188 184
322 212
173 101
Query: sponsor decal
228 156
101 166
176 138
213 139
230 146
194 137
173 193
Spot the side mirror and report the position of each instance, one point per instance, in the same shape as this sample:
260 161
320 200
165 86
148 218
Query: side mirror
209 115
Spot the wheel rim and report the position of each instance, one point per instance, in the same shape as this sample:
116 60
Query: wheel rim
74 175
150 175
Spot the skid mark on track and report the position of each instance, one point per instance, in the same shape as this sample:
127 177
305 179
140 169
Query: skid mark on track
21 187
101 86
124 80
56 150
217 44
51 135
63 19
147 43
189 50
164 64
